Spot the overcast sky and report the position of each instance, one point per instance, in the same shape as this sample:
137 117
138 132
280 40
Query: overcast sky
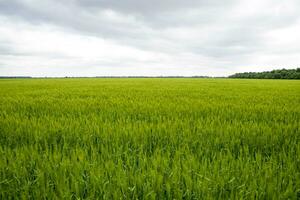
147 37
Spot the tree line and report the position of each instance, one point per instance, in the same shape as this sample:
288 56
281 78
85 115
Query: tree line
274 74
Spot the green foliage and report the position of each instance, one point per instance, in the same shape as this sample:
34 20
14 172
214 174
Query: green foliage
275 74
149 139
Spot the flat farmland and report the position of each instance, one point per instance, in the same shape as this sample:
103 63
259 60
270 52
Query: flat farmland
149 138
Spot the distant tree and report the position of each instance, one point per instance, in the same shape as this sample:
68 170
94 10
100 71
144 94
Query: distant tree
274 74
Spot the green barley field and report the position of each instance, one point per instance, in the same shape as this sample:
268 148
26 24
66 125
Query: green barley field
149 138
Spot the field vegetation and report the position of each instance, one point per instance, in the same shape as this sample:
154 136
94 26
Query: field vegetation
149 139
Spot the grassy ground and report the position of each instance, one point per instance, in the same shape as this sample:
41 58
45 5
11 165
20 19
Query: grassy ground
149 139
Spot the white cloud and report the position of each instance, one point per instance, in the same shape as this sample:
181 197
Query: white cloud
90 38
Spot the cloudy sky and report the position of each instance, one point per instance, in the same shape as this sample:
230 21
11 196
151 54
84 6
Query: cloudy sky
147 37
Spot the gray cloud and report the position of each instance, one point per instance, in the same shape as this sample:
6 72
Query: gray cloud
213 31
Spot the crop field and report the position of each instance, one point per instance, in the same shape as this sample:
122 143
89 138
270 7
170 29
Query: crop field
149 138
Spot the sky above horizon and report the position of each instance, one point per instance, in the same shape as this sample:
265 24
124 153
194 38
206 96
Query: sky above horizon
147 38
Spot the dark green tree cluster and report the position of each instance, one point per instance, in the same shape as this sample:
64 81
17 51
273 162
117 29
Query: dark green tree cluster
274 74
